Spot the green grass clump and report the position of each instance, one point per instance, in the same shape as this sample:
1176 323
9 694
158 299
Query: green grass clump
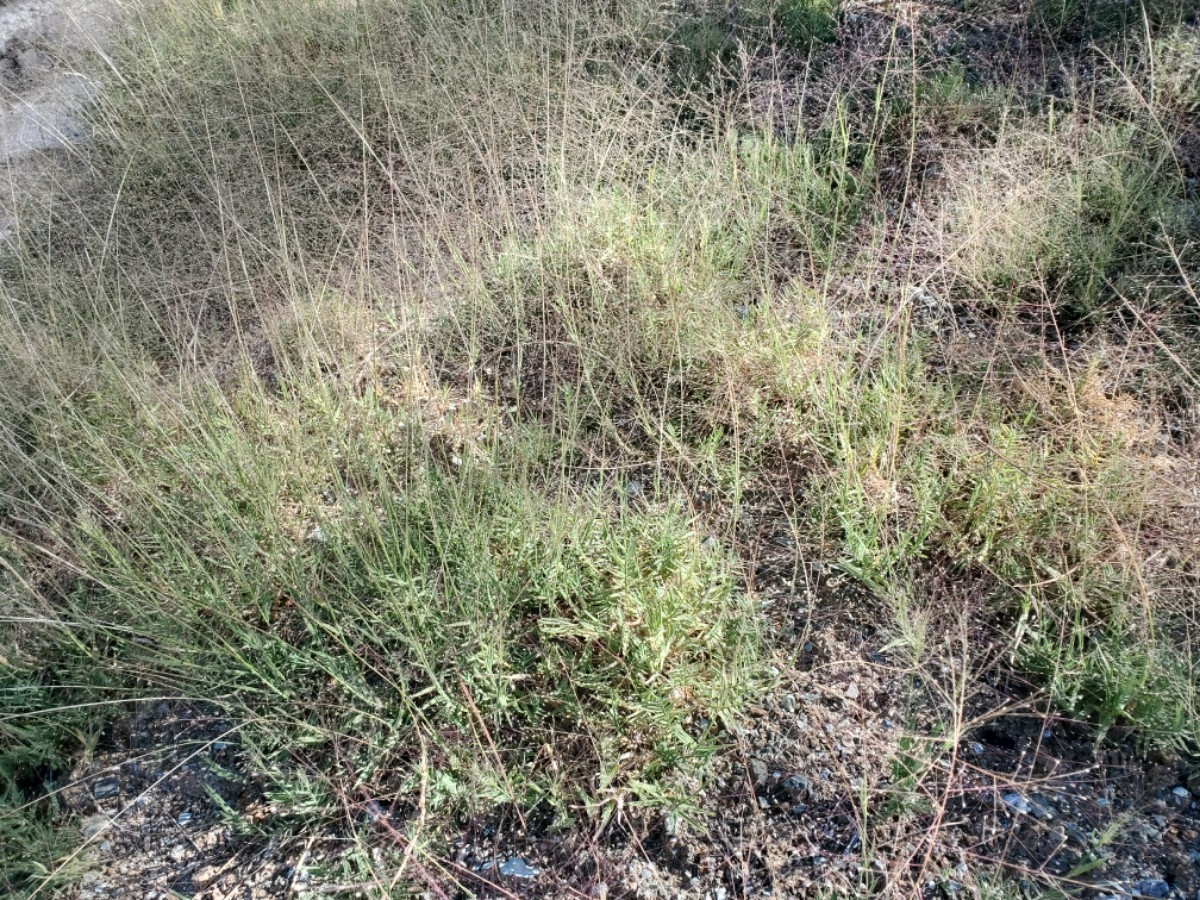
350 590
1055 491
1100 20
806 23
1068 218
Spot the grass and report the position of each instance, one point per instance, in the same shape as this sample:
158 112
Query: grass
402 380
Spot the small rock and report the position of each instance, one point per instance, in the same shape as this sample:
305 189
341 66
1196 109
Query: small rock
758 770
976 748
106 847
1041 808
1152 887
178 852
516 867
795 785
184 818
93 825
720 894
106 787
202 877
1015 801
851 692
1076 835
1181 796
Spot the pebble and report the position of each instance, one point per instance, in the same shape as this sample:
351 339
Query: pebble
106 787
1017 802
794 785
184 818
1076 835
516 867
851 691
93 825
1181 795
758 770
1041 808
1152 887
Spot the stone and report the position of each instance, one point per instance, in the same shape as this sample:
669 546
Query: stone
851 691
1152 887
94 825
795 785
1016 802
106 787
758 770
516 867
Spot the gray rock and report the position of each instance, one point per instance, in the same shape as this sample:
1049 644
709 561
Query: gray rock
106 787
1152 887
1041 808
1076 835
1016 802
516 867
185 818
795 785
758 770
93 825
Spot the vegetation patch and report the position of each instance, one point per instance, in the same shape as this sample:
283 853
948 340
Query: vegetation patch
630 449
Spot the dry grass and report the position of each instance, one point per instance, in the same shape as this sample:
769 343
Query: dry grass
401 378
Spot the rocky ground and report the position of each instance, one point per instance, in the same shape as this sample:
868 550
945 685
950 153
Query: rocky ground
855 773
